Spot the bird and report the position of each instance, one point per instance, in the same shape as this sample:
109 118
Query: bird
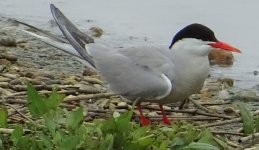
147 73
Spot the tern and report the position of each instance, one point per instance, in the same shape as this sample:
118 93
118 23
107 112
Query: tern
148 73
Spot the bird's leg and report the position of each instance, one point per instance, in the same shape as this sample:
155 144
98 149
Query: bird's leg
183 103
143 120
165 119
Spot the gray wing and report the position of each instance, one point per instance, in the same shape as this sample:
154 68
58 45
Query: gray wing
76 38
137 71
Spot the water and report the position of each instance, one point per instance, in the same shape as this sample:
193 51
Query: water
234 21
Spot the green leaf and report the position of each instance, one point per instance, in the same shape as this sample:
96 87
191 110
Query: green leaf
17 134
1 144
109 126
221 143
37 105
50 124
190 135
24 143
145 141
3 116
247 118
207 137
70 142
178 143
54 99
140 132
47 141
257 124
200 146
122 125
107 143
75 118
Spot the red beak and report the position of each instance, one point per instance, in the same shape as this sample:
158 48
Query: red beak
225 46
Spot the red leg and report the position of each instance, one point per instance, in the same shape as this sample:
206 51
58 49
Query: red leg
143 120
165 119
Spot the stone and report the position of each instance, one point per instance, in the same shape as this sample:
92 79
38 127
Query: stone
229 111
96 31
227 82
88 72
223 94
122 105
7 41
8 57
220 57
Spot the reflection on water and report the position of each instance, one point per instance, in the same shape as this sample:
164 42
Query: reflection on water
157 21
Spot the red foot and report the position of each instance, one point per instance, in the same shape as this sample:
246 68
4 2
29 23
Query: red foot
166 121
143 120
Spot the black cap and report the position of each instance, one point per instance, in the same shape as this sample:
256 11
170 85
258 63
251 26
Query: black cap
197 31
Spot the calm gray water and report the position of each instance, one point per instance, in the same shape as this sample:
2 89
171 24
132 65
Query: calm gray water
234 21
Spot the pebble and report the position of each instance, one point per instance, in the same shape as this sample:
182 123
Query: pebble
2 68
88 72
229 111
87 89
46 74
7 41
223 94
8 57
50 82
24 46
153 114
112 106
4 62
255 73
221 57
11 76
227 81
4 84
96 31
122 105
15 82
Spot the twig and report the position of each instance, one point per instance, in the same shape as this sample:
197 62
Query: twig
199 105
215 103
5 130
19 112
249 137
9 131
235 145
86 97
220 123
92 80
229 133
192 111
5 92
197 118
226 121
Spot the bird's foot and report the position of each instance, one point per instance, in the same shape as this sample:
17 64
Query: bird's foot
166 121
144 121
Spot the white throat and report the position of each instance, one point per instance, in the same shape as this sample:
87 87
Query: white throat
190 57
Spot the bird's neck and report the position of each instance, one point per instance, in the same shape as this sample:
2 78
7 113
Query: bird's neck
190 69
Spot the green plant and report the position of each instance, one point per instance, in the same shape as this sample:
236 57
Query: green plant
56 128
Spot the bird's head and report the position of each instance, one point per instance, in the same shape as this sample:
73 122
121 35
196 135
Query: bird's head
200 39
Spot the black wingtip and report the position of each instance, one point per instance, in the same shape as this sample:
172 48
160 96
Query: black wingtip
52 6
